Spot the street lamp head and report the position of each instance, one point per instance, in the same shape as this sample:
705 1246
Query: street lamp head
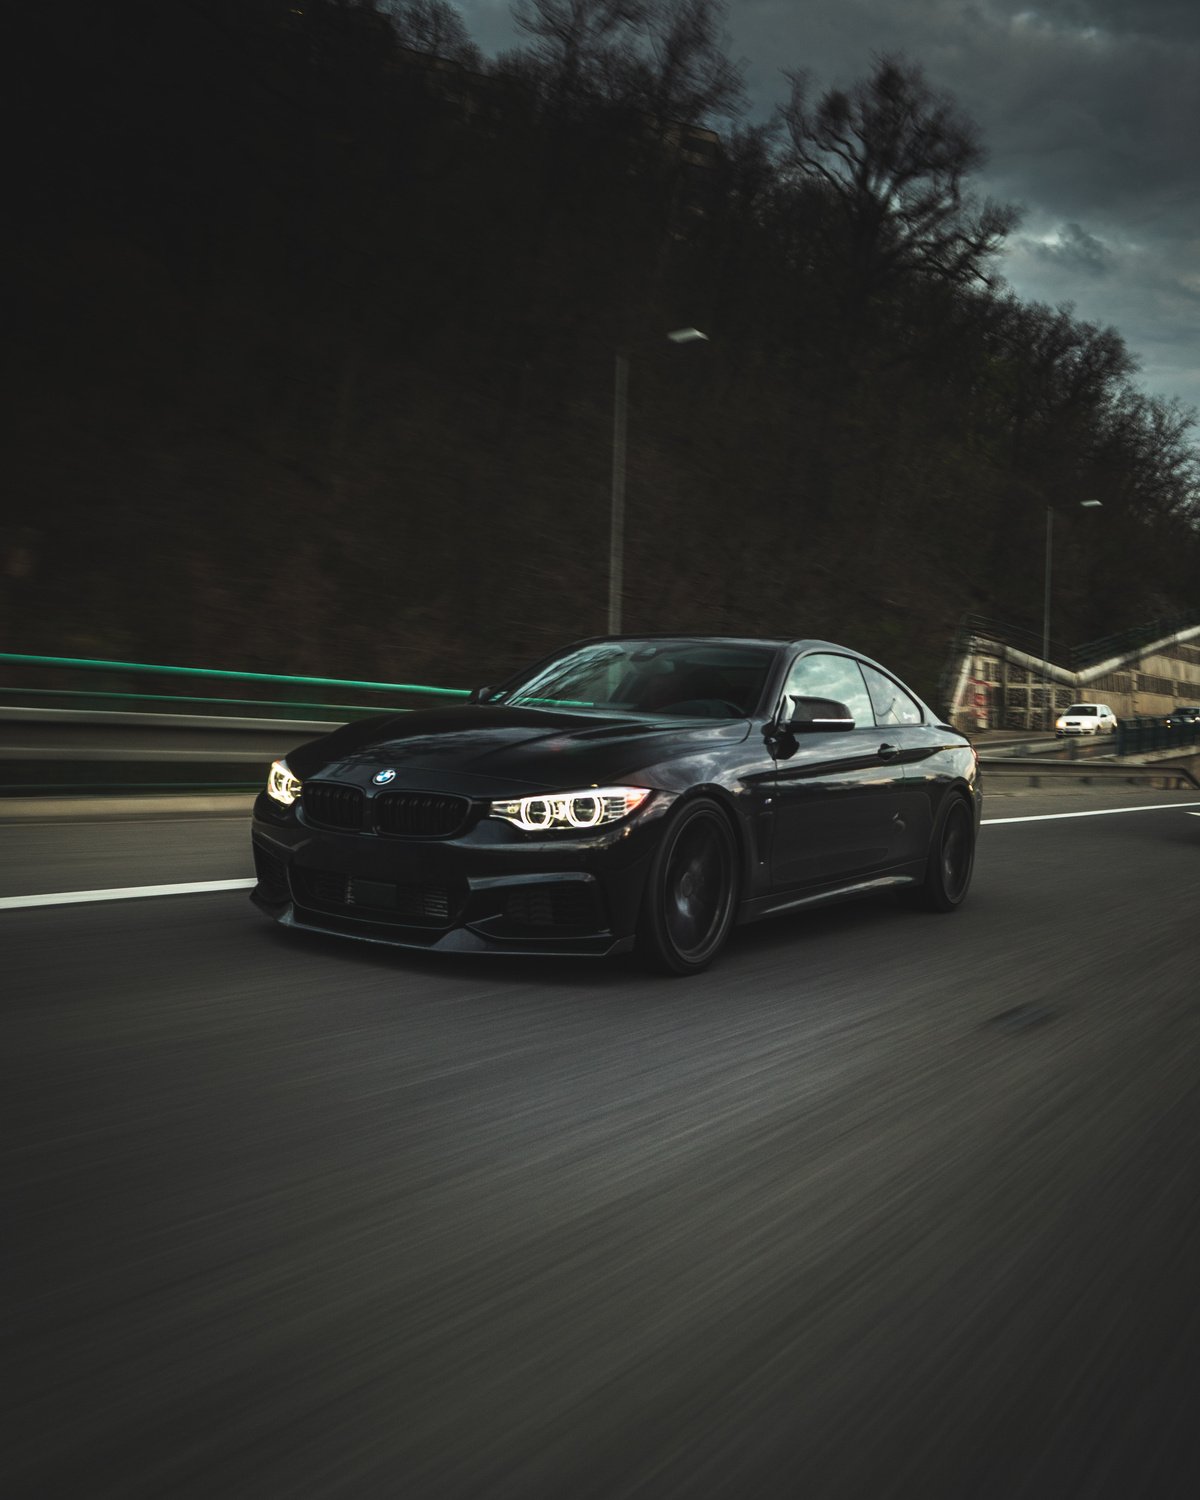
686 335
1091 504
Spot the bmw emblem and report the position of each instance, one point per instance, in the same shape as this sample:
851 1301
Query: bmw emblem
382 778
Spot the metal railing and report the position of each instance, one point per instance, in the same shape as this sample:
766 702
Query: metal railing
1126 641
57 735
1074 657
1145 736
286 697
1034 771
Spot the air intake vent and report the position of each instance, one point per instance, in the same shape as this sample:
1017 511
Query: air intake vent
323 887
420 815
376 900
272 876
328 804
569 903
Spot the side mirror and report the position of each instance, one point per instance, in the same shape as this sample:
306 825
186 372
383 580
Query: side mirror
480 695
815 716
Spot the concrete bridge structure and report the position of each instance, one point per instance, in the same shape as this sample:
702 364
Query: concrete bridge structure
995 683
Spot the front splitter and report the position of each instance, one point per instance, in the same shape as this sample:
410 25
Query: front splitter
454 940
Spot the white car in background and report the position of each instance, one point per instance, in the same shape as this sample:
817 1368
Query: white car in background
1086 718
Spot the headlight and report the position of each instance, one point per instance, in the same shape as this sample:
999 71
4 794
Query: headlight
592 807
1060 724
281 784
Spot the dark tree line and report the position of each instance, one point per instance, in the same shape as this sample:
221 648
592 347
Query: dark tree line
316 310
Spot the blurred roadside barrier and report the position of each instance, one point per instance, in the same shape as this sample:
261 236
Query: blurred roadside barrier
58 737
1143 736
1036 771
133 727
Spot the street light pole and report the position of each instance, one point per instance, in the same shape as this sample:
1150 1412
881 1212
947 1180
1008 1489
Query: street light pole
1046 618
616 529
616 534
1084 505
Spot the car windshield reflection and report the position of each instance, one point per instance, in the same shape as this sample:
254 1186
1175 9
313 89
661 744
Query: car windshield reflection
669 679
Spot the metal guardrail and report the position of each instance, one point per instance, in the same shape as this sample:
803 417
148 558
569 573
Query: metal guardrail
1032 771
71 750
154 747
58 736
37 668
1144 736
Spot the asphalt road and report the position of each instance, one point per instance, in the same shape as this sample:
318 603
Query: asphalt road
885 1205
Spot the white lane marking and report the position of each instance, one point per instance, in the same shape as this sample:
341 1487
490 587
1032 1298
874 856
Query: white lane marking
1098 812
194 887
127 893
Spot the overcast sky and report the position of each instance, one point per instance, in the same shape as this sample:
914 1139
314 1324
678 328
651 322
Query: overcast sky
1089 109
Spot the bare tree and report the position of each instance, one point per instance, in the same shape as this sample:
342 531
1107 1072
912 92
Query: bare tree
687 75
432 27
580 43
894 154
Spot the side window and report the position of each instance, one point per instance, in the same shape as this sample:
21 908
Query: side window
891 703
836 677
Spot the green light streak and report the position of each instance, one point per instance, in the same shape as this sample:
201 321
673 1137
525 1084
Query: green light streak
21 659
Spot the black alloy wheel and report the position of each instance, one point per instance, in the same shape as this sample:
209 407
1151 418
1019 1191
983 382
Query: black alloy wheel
951 856
688 907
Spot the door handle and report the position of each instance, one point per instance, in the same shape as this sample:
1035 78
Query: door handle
889 752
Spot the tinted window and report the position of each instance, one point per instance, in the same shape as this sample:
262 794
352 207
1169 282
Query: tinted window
1080 710
705 679
836 677
891 703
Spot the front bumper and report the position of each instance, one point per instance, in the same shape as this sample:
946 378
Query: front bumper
492 890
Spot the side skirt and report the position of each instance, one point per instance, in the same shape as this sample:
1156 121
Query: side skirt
779 902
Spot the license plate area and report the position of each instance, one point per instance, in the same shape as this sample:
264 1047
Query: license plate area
380 894
416 904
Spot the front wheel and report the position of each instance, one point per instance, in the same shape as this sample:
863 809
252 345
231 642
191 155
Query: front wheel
951 856
688 907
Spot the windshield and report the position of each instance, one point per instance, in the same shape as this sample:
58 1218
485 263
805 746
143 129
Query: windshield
1082 708
694 679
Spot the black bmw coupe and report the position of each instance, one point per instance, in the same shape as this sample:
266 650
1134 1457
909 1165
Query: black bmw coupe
624 794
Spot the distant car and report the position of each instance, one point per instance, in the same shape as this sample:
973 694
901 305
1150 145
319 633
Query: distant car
1086 718
628 793
1186 714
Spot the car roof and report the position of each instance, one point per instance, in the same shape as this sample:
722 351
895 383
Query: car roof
775 641
684 635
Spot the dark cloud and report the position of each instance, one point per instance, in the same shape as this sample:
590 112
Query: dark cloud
1075 250
1090 110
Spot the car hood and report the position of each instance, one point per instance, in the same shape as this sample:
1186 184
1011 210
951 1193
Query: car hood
462 748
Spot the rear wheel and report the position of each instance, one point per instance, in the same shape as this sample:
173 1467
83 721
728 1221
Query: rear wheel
951 856
687 910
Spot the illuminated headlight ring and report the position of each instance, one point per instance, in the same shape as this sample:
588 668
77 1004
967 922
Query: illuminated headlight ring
591 807
281 784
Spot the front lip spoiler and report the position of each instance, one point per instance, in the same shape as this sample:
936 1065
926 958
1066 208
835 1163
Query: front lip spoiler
452 940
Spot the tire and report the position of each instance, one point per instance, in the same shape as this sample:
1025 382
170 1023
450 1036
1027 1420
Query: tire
951 856
691 891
